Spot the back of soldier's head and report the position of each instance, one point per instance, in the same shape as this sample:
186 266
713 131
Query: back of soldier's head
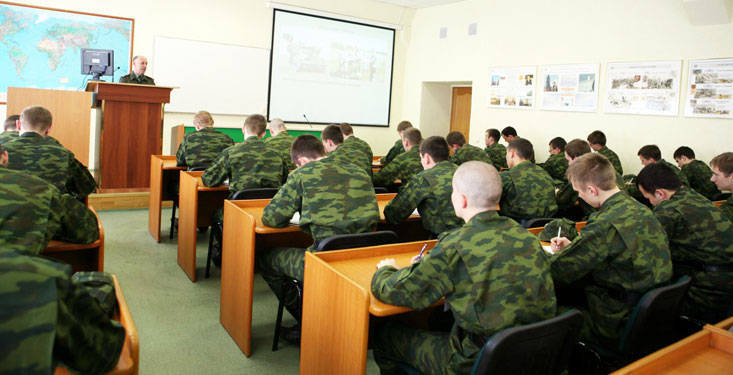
255 124
577 147
558 142
592 168
494 134
403 125
277 124
455 138
479 182
203 118
436 147
509 131
332 133
412 136
346 129
35 118
10 122
724 163
650 152
307 146
658 176
523 148
597 138
684 151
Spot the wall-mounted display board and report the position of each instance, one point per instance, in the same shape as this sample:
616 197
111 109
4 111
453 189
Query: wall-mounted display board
645 88
512 87
569 87
710 88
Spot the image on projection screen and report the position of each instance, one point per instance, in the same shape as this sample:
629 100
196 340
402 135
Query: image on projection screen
324 70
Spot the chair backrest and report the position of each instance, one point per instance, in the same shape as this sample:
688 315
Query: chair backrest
653 322
541 348
349 241
380 190
257 193
537 222
197 169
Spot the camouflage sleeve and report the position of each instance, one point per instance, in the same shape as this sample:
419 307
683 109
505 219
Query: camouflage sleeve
669 221
400 208
77 224
283 205
583 254
416 286
181 154
387 175
218 172
392 153
81 183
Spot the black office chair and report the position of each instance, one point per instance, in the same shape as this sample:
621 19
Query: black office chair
537 222
217 228
380 190
174 227
337 242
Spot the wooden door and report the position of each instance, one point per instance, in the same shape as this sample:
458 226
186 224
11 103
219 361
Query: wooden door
460 113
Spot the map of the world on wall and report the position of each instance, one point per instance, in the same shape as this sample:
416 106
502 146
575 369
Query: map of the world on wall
41 48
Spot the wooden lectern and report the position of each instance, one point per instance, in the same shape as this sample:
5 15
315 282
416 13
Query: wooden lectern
132 130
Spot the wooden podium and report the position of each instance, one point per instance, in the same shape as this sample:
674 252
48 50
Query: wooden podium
132 130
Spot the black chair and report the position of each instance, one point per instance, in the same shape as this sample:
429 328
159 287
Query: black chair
174 227
721 196
537 222
217 228
337 242
380 190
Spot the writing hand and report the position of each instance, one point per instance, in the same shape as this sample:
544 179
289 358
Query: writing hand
387 262
559 243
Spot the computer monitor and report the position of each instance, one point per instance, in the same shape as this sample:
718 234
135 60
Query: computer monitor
99 62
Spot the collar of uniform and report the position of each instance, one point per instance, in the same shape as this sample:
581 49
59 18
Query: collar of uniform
522 164
612 200
251 138
482 217
443 164
207 129
350 139
31 135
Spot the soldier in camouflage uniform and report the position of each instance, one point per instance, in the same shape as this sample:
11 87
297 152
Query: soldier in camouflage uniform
621 253
46 319
34 154
333 142
597 141
697 172
528 191
722 166
200 148
137 75
463 152
397 148
10 129
651 154
280 141
406 164
489 252
568 204
352 141
332 198
32 212
429 191
509 134
700 241
556 164
495 150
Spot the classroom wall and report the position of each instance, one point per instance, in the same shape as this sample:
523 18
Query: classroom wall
243 22
525 32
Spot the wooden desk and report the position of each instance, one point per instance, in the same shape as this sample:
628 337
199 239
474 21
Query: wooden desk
244 235
337 305
81 257
197 205
163 176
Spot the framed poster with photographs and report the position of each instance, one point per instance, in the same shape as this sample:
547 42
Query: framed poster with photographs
645 88
710 88
569 87
512 87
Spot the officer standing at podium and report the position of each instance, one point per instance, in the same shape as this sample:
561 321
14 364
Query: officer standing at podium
139 65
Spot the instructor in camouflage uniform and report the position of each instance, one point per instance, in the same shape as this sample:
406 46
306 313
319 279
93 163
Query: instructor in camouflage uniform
200 148
406 164
466 266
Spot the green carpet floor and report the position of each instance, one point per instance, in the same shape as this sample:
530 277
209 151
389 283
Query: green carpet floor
177 320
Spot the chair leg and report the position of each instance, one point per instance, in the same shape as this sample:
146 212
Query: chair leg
173 219
278 320
208 255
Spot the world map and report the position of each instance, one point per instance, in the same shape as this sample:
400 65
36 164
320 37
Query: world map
41 48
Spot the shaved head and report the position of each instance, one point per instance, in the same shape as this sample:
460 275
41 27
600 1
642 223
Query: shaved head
480 183
277 124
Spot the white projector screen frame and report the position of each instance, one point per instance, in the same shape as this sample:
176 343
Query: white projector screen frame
311 83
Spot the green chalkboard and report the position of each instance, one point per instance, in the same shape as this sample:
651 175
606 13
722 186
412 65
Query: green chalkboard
237 136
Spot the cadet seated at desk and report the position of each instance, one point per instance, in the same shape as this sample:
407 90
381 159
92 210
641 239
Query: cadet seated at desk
488 252
528 190
406 164
10 128
398 148
464 151
280 141
333 143
200 148
722 166
332 197
495 150
351 141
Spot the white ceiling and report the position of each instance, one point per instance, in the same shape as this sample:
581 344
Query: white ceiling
418 3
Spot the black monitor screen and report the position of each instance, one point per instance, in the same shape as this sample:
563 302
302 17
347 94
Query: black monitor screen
97 61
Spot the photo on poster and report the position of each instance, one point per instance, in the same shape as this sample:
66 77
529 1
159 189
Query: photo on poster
643 87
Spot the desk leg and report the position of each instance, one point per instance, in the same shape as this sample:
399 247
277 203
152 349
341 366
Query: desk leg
335 322
156 194
187 230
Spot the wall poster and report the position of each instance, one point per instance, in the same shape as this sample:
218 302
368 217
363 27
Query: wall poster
569 87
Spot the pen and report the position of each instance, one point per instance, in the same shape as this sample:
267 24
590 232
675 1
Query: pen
422 251
558 231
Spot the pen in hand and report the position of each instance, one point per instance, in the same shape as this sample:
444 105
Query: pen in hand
419 256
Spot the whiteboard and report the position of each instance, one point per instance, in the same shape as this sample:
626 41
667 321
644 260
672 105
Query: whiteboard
219 78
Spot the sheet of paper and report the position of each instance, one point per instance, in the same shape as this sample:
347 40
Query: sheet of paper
296 219
415 213
548 248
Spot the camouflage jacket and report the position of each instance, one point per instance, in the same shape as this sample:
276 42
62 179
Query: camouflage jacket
429 191
281 144
677 171
727 208
699 235
497 153
8 136
556 165
403 167
470 152
395 150
352 154
613 158
566 196
46 319
32 212
622 249
698 175
364 147
140 80
200 148
332 198
527 192
247 165
38 156
492 273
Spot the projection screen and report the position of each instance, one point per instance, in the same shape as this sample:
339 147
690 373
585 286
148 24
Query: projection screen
324 70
